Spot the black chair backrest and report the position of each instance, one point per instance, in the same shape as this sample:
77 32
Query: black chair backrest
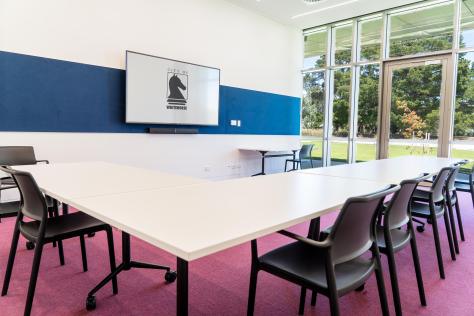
451 181
437 189
33 203
353 233
17 155
398 209
305 151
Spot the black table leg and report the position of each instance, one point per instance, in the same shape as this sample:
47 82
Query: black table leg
262 173
65 209
314 228
182 288
127 264
294 159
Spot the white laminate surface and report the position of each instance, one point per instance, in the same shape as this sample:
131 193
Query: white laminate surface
392 170
269 148
197 220
66 181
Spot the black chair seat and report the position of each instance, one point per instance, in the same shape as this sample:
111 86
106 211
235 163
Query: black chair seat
9 209
463 187
422 210
400 238
303 262
62 227
422 195
7 181
462 177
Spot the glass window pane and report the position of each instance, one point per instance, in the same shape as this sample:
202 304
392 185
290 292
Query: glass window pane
422 30
315 48
313 112
463 145
366 142
467 24
370 39
340 116
343 44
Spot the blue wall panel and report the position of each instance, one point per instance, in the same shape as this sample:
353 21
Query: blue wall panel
46 95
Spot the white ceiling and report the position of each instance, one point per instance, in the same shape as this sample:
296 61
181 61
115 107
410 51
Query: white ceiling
299 14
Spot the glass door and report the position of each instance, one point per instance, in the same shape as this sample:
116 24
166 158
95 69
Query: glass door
416 100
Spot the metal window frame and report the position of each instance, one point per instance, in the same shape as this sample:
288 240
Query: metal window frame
450 76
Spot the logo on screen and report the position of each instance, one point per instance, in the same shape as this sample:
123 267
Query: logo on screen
177 89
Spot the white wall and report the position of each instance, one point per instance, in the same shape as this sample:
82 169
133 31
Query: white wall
252 52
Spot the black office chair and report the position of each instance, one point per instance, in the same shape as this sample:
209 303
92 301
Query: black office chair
432 210
391 238
334 266
304 154
465 183
42 230
16 156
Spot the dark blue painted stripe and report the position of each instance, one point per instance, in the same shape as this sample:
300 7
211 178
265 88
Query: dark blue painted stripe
47 95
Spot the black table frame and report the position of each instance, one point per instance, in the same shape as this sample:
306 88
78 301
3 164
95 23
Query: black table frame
264 155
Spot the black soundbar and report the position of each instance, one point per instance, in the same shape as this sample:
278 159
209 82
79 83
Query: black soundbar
165 130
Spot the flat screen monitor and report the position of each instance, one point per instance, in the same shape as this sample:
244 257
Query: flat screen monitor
166 91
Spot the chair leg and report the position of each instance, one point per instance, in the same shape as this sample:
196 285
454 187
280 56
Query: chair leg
332 289
453 226
33 277
83 253
11 259
61 252
393 276
458 215
311 162
439 255
252 291
302 301
450 236
416 263
380 282
314 295
110 242
286 164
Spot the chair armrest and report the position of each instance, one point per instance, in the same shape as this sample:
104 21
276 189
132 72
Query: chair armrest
311 242
45 161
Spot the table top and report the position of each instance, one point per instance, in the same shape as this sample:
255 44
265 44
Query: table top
269 148
197 220
66 181
392 170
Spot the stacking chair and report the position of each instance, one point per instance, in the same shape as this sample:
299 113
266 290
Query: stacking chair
335 266
391 238
432 209
465 183
304 154
41 229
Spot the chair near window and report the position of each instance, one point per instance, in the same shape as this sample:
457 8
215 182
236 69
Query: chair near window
304 154
41 229
432 209
465 183
391 239
335 266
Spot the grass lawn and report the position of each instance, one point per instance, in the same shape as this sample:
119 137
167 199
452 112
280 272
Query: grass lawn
365 152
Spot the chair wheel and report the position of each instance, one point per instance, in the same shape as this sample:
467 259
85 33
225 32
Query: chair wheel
170 276
90 303
420 229
91 235
360 288
30 245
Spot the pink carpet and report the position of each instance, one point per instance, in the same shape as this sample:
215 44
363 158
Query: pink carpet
219 283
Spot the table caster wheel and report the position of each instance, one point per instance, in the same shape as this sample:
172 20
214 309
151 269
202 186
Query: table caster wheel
170 276
91 235
90 303
30 245
360 288
420 229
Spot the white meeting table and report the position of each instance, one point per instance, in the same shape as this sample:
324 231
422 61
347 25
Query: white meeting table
198 219
393 170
